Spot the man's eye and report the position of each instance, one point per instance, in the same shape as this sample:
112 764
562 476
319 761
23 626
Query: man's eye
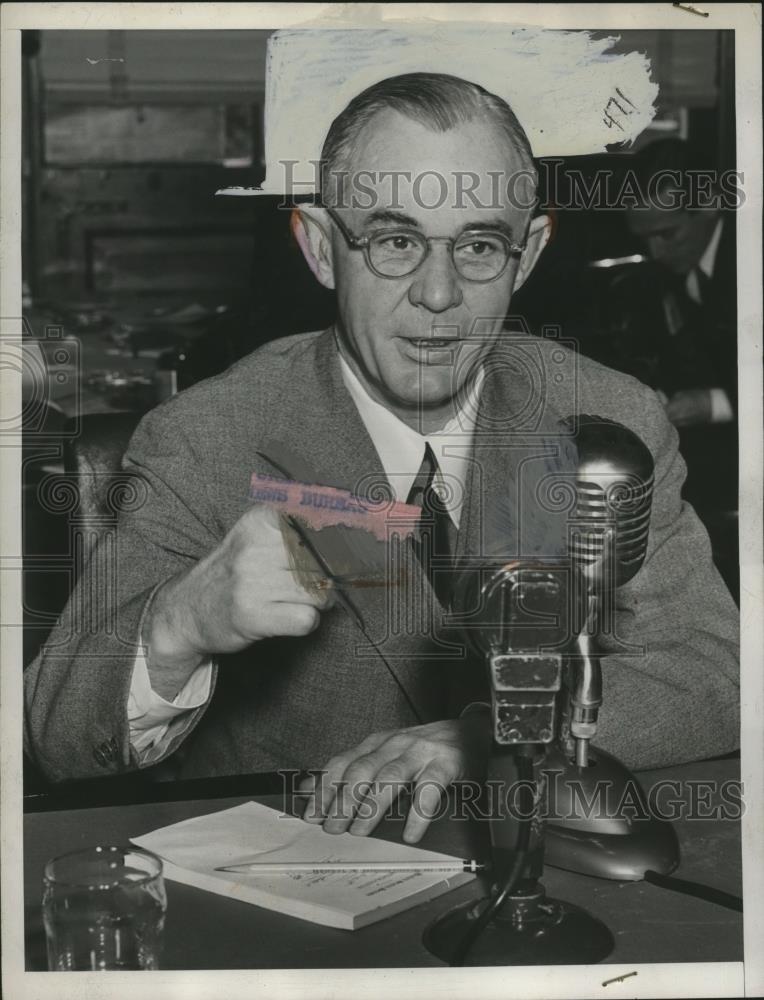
479 248
396 241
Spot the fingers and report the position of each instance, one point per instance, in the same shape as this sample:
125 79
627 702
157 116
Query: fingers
289 591
264 570
325 591
357 788
355 791
390 781
370 787
362 801
321 789
316 590
428 795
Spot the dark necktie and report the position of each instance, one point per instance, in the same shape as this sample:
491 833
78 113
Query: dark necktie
434 540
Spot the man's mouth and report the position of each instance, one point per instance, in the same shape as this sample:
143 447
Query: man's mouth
426 342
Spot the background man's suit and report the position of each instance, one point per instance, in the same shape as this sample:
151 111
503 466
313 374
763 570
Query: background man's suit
296 702
703 352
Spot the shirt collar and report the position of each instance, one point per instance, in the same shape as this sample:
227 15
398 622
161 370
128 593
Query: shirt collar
401 449
708 260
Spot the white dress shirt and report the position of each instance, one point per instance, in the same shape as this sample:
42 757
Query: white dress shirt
401 451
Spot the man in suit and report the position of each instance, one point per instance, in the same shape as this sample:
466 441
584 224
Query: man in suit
693 243
680 318
416 384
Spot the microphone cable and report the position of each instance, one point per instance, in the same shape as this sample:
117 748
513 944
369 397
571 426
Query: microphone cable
525 774
706 892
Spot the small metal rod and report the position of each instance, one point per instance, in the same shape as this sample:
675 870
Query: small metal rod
504 625
690 9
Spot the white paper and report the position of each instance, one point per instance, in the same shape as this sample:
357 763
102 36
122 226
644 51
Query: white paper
192 849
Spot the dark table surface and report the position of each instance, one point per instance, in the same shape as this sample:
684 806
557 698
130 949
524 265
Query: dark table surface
207 931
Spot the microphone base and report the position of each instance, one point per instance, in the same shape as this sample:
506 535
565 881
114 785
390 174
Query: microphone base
529 929
611 835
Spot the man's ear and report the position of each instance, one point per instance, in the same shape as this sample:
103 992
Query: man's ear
538 236
310 227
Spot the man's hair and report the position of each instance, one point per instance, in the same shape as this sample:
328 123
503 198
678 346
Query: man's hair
668 163
436 100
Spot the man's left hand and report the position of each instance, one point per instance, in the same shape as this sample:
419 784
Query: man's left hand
358 787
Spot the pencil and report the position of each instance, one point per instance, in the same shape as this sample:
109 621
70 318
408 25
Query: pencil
267 868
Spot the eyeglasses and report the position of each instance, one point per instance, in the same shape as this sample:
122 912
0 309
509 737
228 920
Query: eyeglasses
477 255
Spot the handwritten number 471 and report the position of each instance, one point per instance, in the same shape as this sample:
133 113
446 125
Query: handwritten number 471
620 106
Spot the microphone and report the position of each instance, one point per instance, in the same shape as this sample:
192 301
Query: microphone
608 540
609 533
534 622
614 491
520 617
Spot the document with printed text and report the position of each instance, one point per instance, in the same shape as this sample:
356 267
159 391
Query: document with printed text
193 849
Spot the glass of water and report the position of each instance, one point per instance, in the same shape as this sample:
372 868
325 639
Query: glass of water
104 908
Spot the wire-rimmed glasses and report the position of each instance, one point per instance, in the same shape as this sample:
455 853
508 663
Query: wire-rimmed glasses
478 255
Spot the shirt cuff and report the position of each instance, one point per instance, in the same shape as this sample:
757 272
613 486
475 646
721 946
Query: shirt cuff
149 715
721 408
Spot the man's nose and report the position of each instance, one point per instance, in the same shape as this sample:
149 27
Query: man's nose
436 283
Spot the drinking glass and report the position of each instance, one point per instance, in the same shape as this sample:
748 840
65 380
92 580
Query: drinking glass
104 908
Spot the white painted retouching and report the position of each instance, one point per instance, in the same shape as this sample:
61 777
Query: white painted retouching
572 95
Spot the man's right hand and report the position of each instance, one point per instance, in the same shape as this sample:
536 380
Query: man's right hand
243 591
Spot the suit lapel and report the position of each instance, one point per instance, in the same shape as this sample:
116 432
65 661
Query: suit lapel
517 456
326 431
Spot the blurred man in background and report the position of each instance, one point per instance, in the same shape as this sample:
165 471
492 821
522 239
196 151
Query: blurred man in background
676 327
693 243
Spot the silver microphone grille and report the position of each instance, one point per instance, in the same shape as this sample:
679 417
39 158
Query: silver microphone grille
614 487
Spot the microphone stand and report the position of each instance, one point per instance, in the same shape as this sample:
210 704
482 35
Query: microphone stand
608 543
517 924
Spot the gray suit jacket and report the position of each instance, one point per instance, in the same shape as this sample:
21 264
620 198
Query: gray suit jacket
296 702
